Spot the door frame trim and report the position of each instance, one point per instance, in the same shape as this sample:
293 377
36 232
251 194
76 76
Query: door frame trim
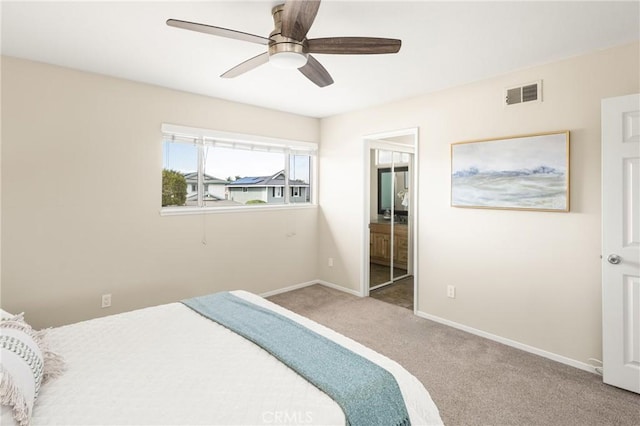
381 141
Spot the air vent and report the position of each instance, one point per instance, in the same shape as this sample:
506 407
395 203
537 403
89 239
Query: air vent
530 92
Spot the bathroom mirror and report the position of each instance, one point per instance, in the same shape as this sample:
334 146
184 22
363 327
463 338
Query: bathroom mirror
393 187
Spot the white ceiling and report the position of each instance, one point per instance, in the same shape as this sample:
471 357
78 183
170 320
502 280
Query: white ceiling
444 44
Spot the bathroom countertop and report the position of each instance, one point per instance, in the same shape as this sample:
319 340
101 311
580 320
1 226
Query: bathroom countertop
380 219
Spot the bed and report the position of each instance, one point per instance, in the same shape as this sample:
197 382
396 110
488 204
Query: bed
172 365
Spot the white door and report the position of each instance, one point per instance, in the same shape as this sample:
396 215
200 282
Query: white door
621 241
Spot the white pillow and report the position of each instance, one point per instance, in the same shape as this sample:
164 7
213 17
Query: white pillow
6 413
21 367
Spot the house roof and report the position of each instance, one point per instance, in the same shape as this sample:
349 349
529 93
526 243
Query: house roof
274 180
192 177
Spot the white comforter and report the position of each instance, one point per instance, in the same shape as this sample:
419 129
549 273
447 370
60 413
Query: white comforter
167 365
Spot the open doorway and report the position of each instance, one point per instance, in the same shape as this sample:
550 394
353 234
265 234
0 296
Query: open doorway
391 186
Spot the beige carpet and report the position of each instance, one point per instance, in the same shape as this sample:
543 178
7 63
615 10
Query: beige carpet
472 380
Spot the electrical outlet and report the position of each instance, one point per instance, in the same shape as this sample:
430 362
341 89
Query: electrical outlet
451 291
330 262
106 300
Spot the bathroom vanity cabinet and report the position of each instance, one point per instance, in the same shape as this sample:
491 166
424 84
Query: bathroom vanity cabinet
380 244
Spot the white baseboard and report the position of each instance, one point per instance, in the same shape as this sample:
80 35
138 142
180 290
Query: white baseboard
339 287
307 284
509 342
286 289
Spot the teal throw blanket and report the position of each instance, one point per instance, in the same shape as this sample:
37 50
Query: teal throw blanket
367 393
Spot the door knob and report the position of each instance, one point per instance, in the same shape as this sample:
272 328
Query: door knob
614 259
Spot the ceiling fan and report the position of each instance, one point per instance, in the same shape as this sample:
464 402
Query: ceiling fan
288 46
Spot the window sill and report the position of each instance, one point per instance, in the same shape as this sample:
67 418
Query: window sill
181 211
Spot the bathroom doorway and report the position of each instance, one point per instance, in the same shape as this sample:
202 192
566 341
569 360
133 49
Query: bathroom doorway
389 273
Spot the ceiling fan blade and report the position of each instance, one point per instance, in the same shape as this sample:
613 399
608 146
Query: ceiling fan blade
297 17
217 31
315 72
354 45
247 65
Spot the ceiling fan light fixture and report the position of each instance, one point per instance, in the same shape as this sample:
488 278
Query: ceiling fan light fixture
288 60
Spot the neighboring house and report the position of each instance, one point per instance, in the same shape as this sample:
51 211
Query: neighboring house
214 188
269 189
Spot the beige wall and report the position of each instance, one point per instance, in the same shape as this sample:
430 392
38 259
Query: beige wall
81 178
532 277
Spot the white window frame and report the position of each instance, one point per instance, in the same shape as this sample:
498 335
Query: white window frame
227 139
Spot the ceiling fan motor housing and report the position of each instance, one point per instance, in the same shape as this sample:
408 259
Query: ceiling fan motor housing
285 52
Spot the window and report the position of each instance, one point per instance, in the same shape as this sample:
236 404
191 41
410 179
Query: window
386 157
299 168
236 170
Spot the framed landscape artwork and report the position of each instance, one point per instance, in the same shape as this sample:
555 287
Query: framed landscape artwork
527 172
